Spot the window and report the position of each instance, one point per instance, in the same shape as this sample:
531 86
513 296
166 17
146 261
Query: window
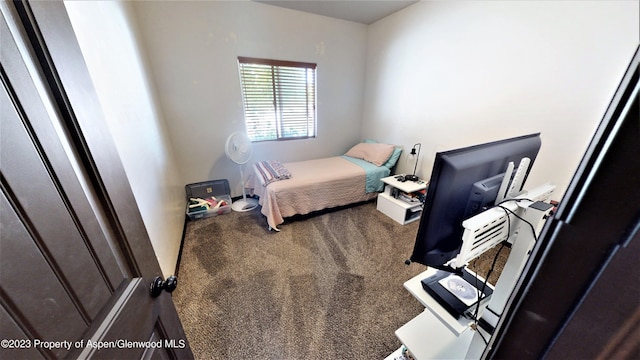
279 99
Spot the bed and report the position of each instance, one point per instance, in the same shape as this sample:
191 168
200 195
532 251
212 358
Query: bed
312 185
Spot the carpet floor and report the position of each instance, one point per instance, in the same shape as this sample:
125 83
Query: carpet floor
325 287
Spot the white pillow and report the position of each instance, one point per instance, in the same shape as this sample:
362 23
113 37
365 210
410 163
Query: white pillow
376 154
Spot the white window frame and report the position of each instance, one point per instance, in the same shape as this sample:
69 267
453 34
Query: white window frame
279 99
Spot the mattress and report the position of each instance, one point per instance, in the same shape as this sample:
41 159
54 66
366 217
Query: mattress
314 185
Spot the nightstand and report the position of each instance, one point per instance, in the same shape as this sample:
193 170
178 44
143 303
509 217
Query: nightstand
397 201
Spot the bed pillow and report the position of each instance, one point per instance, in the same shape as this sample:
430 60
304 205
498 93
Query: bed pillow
393 159
376 154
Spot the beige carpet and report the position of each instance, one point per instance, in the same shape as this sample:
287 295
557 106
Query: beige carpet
325 287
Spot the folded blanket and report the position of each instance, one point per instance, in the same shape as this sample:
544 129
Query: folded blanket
270 171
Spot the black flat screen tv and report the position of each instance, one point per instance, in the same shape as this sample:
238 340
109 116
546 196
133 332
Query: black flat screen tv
451 187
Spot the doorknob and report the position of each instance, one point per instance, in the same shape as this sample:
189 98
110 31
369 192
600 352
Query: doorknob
157 285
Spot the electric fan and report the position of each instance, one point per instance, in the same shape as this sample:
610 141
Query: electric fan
238 150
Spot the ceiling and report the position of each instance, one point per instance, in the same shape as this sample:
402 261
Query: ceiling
360 11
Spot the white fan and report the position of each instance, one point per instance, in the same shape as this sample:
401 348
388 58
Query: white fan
238 150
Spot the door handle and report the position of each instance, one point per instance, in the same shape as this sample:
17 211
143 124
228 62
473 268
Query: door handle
157 285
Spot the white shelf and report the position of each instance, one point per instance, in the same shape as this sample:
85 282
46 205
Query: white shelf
403 212
400 211
426 337
414 286
395 355
400 202
406 186
435 333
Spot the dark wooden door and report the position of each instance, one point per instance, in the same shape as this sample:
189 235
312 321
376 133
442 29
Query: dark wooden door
75 259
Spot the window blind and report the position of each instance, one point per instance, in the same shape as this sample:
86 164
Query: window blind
279 98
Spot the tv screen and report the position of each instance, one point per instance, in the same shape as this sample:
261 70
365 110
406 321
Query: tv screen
455 179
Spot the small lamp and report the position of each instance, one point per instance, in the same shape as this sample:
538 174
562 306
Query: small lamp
412 153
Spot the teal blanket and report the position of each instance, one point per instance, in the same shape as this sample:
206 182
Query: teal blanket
374 174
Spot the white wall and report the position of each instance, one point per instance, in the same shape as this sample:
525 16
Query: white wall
107 41
193 48
449 74
443 73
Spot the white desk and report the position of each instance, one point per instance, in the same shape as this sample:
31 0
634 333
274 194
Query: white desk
414 286
437 334
426 337
434 333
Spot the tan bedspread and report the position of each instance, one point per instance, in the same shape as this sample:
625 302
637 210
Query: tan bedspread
314 185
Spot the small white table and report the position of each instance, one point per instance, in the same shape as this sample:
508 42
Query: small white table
392 204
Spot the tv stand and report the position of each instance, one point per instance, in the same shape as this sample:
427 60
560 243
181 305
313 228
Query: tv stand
467 287
435 333
414 286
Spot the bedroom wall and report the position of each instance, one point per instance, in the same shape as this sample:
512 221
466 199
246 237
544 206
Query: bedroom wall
449 74
108 44
192 49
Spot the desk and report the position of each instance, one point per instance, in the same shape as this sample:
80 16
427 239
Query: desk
434 333
437 334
